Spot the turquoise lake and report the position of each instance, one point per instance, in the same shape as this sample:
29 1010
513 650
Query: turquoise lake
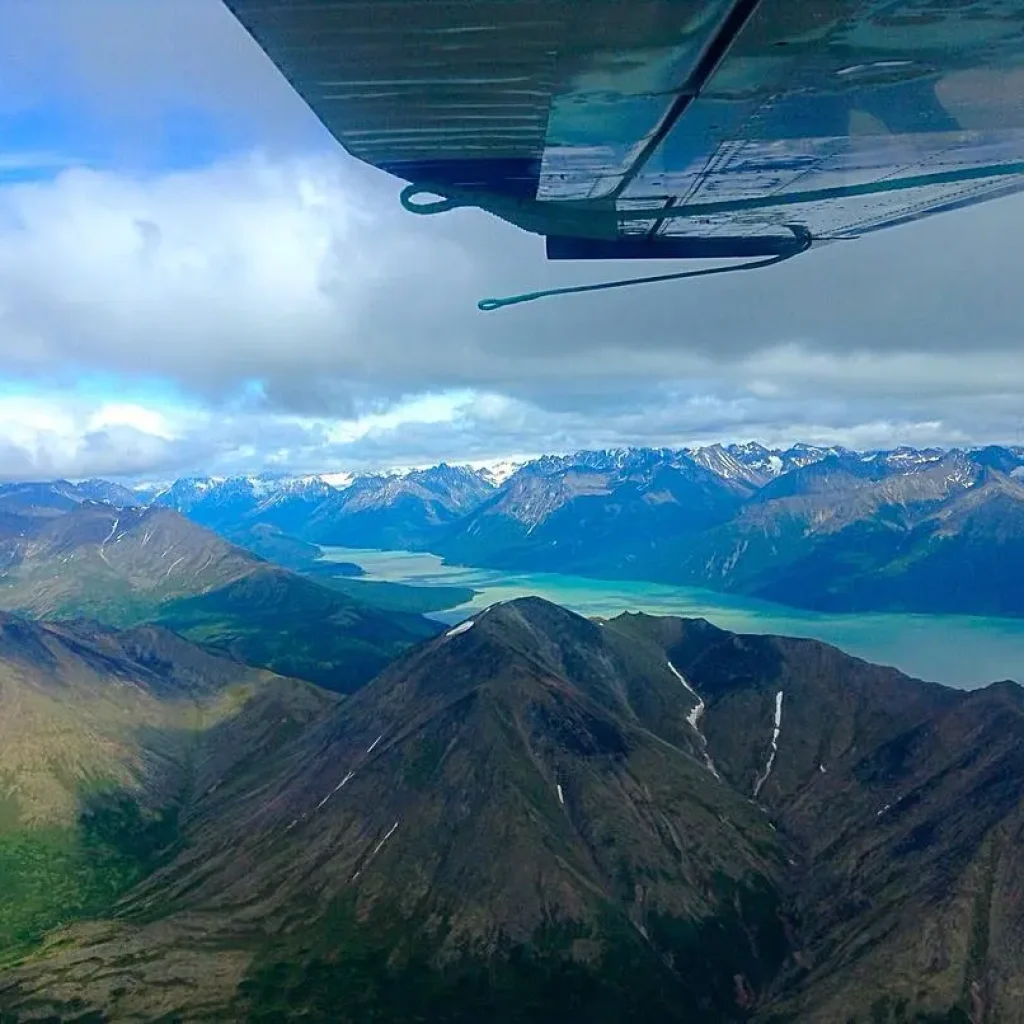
958 650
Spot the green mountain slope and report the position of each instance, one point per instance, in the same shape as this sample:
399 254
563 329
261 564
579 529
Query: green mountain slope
281 621
127 566
105 739
488 828
117 565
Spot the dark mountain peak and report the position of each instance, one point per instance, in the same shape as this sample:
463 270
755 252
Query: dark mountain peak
745 469
652 813
528 652
605 460
474 786
1006 460
509 640
444 472
989 512
458 487
999 479
87 522
115 564
753 448
539 616
817 450
833 472
669 628
394 510
95 523
908 458
1007 689
54 495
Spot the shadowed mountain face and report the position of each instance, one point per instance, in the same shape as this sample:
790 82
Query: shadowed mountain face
842 535
903 531
297 627
899 805
592 515
126 566
539 817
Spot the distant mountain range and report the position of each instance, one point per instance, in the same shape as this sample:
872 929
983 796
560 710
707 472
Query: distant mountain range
824 528
532 818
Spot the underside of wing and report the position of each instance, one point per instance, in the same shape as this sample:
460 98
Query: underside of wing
653 128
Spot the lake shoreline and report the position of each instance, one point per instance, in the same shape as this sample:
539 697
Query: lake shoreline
957 650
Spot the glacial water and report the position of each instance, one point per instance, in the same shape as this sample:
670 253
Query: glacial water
959 650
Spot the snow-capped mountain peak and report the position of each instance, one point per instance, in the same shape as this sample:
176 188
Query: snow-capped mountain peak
724 464
499 471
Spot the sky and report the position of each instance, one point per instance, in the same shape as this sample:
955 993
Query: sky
195 278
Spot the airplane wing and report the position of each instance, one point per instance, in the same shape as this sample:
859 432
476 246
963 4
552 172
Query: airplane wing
668 128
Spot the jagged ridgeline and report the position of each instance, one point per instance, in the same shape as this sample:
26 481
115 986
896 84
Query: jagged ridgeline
822 528
539 817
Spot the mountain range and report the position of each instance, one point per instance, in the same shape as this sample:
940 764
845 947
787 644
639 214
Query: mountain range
530 817
829 529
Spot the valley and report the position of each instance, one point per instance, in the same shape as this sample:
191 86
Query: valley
920 531
828 530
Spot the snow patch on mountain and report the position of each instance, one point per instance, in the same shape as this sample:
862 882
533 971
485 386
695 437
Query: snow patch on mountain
498 472
694 717
339 481
727 466
776 729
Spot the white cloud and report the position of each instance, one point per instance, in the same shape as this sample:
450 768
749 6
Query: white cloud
312 325
68 434
35 427
134 416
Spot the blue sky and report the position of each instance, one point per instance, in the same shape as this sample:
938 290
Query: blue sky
194 277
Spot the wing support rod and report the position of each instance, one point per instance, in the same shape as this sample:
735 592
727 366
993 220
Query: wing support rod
800 233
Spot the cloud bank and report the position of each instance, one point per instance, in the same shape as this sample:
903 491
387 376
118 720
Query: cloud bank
260 300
